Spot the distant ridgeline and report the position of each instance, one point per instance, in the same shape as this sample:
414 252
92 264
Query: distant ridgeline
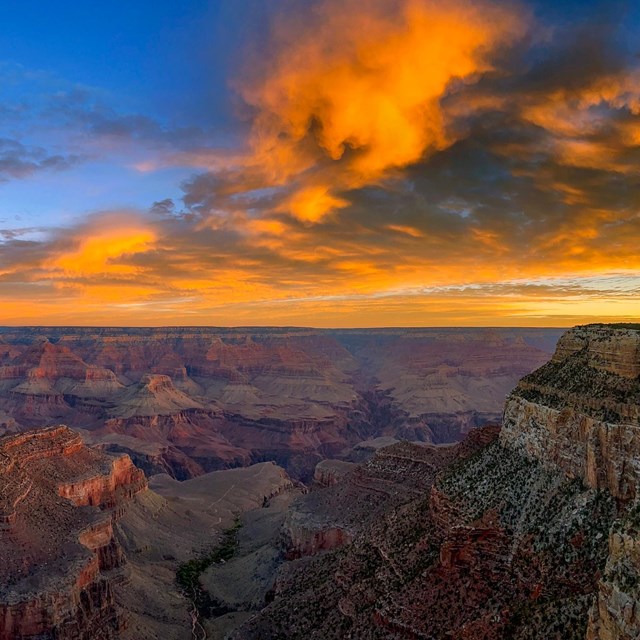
187 400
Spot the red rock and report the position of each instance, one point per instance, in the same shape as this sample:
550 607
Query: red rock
231 396
54 549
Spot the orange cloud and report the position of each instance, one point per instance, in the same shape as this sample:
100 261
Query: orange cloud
358 86
580 124
101 249
312 203
350 94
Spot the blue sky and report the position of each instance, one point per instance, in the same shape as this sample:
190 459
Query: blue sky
166 61
517 181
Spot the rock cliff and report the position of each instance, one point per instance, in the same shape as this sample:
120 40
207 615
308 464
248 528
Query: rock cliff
330 472
581 411
58 502
531 534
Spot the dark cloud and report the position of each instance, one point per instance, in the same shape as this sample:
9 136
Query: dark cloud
20 161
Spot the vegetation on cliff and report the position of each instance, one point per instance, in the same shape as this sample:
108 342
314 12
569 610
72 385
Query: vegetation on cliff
188 573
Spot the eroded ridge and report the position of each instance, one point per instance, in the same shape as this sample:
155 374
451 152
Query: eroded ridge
58 502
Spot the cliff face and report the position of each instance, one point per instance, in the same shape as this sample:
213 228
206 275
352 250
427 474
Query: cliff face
581 411
616 612
539 528
329 472
611 348
58 502
219 398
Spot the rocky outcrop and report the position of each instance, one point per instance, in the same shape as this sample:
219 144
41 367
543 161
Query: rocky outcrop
58 502
603 454
611 348
581 411
302 541
106 490
154 395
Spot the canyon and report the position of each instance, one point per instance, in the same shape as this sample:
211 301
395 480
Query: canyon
186 401
520 527
90 548
522 531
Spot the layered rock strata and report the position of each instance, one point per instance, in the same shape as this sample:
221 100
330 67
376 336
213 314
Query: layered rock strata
58 503
532 534
581 413
193 400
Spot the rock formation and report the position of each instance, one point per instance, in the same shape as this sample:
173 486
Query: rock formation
329 472
87 551
580 413
58 504
192 400
530 534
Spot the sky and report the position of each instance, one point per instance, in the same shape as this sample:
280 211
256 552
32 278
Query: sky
329 163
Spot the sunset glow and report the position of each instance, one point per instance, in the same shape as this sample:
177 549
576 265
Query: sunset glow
343 163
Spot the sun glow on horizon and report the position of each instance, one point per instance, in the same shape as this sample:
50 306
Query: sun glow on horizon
384 162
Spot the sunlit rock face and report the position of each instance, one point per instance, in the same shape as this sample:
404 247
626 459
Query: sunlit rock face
192 400
581 411
59 501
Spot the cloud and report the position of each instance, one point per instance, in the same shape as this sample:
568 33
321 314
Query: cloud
78 124
20 161
104 247
350 92
417 162
166 267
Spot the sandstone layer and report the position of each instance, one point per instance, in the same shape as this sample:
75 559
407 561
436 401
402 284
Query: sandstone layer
192 400
58 503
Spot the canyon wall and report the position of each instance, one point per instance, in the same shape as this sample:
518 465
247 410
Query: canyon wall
58 503
580 413
192 400
88 551
532 533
